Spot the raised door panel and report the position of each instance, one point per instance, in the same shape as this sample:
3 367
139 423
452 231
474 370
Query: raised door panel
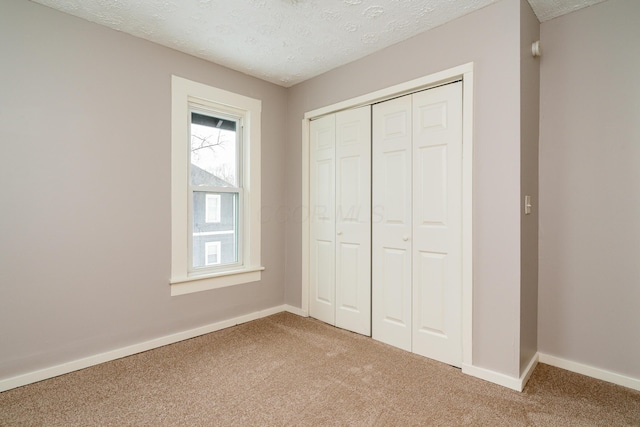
391 193
437 223
353 220
322 195
432 275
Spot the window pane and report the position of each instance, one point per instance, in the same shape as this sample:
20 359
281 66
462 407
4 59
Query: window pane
214 243
212 253
214 151
212 208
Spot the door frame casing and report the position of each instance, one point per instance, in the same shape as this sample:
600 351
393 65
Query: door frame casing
465 73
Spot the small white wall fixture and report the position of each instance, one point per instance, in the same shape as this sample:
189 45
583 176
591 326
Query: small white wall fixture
465 74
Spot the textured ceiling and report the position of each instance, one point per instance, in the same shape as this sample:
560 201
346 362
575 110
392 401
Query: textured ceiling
549 9
283 41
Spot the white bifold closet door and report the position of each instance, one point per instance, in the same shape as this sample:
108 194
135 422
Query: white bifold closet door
340 234
417 223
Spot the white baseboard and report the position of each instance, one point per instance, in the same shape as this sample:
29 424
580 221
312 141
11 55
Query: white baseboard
75 365
528 371
295 310
513 383
482 373
590 371
492 376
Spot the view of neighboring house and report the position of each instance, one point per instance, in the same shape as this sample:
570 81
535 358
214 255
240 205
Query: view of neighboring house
214 221
213 179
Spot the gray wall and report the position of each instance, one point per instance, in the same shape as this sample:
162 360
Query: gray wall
529 120
490 38
590 187
85 190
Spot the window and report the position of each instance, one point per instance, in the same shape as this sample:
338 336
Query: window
215 197
212 208
212 253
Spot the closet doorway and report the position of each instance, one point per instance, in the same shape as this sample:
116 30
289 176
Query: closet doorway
407 275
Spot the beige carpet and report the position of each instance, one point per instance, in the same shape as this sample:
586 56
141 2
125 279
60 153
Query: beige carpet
287 370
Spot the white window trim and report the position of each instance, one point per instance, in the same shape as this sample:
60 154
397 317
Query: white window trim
183 92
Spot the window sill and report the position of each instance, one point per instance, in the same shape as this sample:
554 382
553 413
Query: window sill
187 285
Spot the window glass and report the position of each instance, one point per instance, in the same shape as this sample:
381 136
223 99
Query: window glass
214 151
215 189
225 232
212 208
212 253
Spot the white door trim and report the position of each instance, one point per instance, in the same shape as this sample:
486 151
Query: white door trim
465 72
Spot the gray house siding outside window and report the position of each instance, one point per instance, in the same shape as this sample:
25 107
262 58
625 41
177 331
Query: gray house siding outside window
222 231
